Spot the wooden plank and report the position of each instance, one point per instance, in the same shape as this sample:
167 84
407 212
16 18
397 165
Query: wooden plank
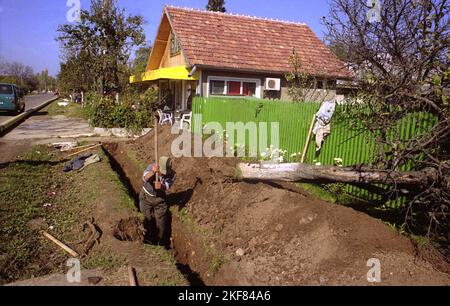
60 244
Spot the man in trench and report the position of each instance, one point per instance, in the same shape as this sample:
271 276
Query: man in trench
152 200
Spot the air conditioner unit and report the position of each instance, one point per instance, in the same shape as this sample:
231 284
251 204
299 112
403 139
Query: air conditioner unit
273 84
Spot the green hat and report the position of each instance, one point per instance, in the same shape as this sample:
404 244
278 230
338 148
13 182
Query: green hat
165 164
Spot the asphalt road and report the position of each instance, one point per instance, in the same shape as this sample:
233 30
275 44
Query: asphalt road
30 102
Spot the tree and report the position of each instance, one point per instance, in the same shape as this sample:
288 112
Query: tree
403 58
101 45
45 81
140 61
216 6
19 74
302 87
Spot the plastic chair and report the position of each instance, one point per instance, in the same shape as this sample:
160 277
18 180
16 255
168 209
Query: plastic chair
186 118
165 117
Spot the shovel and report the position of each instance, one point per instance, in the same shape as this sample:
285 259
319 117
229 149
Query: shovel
157 181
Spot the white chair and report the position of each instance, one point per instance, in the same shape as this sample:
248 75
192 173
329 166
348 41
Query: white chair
165 117
186 118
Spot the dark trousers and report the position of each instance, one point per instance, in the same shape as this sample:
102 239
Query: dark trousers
156 212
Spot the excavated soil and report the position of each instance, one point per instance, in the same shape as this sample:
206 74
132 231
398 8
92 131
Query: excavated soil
232 232
130 229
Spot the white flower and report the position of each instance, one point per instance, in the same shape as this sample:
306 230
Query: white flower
294 155
338 161
318 164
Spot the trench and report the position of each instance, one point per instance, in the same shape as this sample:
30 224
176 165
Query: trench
129 229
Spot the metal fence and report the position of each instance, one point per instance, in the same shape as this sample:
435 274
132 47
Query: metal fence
352 144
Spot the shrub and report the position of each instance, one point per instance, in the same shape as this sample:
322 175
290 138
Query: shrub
133 111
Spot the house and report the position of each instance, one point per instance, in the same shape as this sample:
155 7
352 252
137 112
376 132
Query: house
220 54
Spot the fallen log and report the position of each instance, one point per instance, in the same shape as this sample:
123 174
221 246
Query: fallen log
297 172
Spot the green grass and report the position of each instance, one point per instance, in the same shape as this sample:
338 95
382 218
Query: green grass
73 110
23 192
319 192
185 216
159 252
104 258
421 240
216 263
126 202
25 186
333 193
28 184
135 161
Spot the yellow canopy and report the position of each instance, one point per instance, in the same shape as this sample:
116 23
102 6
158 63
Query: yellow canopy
172 73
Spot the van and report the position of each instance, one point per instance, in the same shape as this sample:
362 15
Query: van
11 98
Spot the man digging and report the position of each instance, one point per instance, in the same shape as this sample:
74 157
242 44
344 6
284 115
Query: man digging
152 200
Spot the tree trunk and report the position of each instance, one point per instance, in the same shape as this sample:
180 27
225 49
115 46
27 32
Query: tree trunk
328 174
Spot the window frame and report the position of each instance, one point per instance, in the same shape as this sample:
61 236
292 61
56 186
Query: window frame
258 91
174 49
225 87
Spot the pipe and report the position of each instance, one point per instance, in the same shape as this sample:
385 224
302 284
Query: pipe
194 69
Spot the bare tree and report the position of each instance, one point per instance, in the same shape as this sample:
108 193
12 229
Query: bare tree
302 86
401 50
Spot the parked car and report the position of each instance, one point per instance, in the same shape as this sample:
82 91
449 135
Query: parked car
11 98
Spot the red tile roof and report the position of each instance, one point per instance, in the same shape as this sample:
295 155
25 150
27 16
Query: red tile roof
253 44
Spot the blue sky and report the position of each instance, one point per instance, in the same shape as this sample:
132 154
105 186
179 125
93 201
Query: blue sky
28 27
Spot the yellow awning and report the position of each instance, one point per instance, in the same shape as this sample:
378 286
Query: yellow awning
172 73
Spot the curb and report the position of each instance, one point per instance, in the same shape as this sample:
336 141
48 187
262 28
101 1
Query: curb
11 122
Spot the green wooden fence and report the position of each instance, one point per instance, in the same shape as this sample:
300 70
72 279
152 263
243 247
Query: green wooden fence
352 145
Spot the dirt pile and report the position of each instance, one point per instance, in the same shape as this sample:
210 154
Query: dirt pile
130 229
248 233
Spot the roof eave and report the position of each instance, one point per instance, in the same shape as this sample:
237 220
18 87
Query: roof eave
265 71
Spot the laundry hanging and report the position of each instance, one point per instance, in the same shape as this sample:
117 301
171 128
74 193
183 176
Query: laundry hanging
322 127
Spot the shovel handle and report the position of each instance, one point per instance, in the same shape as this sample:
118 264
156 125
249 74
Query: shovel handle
158 185
157 182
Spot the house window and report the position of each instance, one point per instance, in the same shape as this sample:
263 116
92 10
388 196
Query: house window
217 87
249 89
175 46
222 86
234 88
